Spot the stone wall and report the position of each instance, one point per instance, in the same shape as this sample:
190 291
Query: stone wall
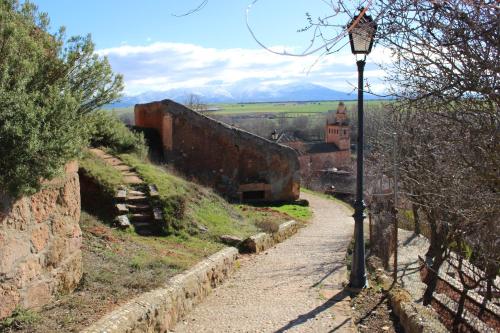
262 241
40 242
236 163
414 317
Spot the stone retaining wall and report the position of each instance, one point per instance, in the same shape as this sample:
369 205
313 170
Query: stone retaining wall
159 310
40 242
263 241
415 318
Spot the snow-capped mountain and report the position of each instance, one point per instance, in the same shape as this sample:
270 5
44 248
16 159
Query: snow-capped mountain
243 93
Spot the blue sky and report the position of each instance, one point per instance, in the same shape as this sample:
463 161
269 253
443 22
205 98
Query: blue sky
155 50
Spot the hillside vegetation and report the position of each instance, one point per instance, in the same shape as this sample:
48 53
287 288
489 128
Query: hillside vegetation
191 209
121 264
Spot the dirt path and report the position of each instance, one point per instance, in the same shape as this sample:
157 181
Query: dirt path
294 287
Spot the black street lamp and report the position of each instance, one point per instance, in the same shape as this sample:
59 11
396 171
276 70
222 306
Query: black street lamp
361 34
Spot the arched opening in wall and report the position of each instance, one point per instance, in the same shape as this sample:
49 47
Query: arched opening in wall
253 195
153 141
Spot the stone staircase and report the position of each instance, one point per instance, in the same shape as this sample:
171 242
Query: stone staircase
135 206
136 202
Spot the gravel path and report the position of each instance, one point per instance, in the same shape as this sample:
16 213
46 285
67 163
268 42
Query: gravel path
410 246
293 287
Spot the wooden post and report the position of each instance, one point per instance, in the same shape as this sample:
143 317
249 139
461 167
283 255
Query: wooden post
395 274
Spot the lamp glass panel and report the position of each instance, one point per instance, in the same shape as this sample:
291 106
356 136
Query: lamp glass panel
362 35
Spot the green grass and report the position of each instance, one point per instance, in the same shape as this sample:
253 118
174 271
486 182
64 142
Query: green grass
167 183
19 319
329 197
222 219
296 211
291 107
101 171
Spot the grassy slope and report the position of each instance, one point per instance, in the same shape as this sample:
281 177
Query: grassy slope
102 172
190 206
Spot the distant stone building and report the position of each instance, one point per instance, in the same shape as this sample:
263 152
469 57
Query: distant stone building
334 152
235 163
337 130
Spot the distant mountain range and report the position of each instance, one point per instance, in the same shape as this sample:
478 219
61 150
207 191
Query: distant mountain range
244 93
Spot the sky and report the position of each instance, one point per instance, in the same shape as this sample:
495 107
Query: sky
157 49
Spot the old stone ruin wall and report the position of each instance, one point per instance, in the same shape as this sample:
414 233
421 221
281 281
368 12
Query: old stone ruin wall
237 164
40 242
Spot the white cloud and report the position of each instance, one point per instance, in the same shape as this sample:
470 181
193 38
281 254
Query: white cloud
161 66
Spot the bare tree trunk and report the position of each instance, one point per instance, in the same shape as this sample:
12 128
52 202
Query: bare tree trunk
416 218
491 274
435 245
489 289
432 278
395 263
370 224
436 253
463 295
460 310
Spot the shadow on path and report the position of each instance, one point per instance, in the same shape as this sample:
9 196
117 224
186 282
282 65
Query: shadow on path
333 270
408 241
340 325
313 313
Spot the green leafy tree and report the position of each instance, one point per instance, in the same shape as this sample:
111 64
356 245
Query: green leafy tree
47 86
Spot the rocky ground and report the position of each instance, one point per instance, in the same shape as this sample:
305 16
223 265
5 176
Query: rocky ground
372 312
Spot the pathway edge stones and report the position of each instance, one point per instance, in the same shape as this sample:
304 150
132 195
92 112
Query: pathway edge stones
159 310
415 318
262 241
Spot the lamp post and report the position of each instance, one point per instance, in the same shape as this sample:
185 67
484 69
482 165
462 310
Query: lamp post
361 34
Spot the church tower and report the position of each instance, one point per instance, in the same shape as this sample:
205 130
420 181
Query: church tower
337 129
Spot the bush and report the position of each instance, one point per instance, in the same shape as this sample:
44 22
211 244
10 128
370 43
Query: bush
106 130
47 85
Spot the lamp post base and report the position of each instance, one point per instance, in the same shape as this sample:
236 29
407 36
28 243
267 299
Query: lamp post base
358 271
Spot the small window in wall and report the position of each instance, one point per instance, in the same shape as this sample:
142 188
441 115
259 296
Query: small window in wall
254 195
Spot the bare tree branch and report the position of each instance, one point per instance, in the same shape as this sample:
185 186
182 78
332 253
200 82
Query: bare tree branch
194 10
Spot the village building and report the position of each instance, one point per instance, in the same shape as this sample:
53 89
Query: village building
237 164
334 153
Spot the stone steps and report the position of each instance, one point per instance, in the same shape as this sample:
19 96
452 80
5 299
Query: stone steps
136 199
138 207
122 221
133 205
141 217
124 168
